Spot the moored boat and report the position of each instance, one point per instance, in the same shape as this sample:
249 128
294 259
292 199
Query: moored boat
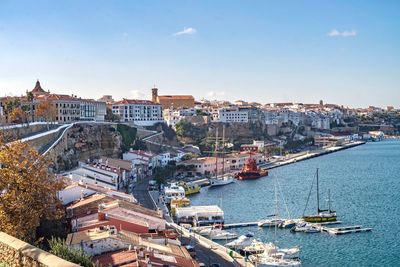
327 215
224 180
190 188
270 222
250 170
241 242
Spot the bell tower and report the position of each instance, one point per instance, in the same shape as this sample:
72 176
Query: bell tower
154 94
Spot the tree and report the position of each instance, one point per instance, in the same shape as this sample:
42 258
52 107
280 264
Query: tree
47 111
30 97
110 116
18 115
28 192
59 248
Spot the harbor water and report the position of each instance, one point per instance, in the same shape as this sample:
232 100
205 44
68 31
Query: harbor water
365 190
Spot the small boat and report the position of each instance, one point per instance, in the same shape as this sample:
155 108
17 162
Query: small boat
250 170
173 191
270 222
256 247
218 234
190 188
283 253
240 243
305 228
267 261
224 180
322 215
287 224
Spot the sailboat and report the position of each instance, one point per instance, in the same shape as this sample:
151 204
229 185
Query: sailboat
224 179
322 215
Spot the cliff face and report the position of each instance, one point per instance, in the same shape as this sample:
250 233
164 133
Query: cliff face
83 142
236 133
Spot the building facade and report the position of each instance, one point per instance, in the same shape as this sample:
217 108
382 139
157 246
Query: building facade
140 112
172 101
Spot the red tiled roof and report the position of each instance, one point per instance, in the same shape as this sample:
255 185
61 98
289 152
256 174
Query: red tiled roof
117 258
38 88
134 102
53 97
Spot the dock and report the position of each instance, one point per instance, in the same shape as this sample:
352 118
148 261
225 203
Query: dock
238 225
346 230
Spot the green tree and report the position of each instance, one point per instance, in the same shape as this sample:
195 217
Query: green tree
59 248
110 116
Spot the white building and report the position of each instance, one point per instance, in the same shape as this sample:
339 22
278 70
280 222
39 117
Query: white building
140 112
232 115
98 174
199 215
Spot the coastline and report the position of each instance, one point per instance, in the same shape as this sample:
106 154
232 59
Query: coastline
308 155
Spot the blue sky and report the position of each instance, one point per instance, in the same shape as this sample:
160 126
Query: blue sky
345 52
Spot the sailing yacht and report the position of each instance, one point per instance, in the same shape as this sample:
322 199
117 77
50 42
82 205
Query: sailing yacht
223 179
322 215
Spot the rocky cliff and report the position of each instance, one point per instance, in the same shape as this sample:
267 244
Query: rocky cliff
83 142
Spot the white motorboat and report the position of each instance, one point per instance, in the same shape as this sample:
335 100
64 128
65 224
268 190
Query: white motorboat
270 222
270 249
266 261
218 234
306 228
240 243
287 223
256 247
224 180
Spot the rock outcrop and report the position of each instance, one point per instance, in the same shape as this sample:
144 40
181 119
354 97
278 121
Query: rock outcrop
86 141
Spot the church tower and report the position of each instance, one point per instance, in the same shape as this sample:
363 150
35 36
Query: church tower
154 95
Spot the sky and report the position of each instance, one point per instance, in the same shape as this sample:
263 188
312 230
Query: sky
344 52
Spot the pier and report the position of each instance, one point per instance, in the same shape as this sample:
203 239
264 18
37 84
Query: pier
346 230
308 155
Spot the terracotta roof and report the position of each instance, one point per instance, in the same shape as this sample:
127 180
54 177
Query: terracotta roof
134 102
167 97
54 97
117 258
38 88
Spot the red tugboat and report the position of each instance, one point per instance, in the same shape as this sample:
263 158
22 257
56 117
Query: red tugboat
251 171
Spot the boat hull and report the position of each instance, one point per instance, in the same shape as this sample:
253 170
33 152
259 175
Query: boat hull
251 175
220 182
319 219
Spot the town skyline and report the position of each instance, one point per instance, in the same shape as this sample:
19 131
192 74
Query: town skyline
269 51
146 95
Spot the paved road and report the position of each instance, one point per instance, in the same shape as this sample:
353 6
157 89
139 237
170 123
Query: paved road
206 255
142 195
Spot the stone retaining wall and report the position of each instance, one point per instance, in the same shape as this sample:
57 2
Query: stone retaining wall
16 253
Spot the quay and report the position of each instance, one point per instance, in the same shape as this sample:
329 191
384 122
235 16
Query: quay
308 155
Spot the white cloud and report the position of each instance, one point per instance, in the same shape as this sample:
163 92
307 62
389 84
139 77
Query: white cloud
186 31
345 33
215 94
137 94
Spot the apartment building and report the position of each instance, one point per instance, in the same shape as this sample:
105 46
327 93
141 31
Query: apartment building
140 112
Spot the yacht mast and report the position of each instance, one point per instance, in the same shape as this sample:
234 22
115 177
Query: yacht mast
318 210
223 150
216 153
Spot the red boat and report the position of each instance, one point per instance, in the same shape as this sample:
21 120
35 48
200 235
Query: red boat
251 171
